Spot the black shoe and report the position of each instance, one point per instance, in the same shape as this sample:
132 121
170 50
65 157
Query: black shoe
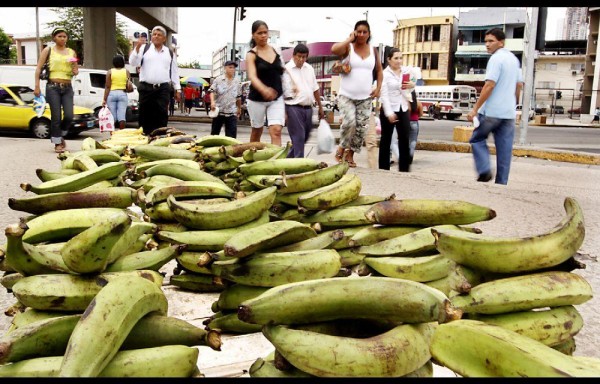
485 177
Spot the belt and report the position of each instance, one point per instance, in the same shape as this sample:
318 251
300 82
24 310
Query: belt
61 85
301 106
155 86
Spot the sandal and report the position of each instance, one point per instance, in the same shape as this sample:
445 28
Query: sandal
349 158
339 155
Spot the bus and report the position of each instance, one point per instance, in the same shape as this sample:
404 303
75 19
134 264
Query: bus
455 100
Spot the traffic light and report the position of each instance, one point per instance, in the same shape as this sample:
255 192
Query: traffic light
558 95
242 13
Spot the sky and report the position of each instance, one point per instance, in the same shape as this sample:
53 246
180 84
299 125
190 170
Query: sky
203 30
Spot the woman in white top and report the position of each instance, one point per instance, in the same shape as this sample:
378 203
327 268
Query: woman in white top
356 89
395 112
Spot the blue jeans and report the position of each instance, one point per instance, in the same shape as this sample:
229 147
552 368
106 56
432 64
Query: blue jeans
412 137
117 104
59 98
504 133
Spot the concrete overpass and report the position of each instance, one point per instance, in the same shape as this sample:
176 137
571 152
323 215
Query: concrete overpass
99 26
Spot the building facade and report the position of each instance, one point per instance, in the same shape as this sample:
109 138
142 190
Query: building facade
471 55
429 43
576 24
591 79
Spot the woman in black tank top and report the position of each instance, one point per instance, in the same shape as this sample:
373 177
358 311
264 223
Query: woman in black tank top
265 101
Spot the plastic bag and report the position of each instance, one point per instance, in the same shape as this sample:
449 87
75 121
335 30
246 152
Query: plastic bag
325 139
106 120
39 105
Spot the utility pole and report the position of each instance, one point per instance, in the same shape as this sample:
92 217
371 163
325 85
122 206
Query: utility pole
528 85
366 13
235 10
37 34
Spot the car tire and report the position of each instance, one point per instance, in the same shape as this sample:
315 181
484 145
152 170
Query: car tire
40 128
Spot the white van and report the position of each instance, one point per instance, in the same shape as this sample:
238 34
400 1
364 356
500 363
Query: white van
88 87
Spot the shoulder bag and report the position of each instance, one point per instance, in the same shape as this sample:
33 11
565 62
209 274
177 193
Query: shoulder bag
129 85
45 72
342 66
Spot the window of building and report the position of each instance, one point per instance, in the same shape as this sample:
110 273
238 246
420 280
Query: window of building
479 36
577 67
435 33
546 84
519 32
434 60
550 66
427 33
419 33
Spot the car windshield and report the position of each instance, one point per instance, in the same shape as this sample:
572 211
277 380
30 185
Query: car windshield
25 93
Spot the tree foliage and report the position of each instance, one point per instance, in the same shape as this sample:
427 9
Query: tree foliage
71 18
5 51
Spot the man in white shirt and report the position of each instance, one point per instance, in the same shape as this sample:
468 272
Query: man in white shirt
158 72
299 99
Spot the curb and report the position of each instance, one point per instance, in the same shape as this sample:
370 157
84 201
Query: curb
443 146
518 151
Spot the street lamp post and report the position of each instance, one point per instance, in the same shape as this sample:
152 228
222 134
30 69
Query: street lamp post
340 20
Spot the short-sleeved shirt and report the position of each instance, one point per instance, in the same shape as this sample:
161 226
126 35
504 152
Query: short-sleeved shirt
505 70
188 93
226 93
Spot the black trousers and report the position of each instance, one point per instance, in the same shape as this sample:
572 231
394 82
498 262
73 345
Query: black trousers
230 125
402 126
154 107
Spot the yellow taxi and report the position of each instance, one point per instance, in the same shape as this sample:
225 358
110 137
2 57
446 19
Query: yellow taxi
17 114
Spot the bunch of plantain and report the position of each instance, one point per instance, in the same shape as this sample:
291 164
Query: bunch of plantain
341 283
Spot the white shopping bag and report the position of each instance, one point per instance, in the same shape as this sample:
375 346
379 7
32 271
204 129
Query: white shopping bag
325 139
39 105
106 120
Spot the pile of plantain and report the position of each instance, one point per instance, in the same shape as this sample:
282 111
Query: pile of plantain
342 284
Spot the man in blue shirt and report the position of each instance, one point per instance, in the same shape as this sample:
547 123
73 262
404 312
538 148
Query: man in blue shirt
496 109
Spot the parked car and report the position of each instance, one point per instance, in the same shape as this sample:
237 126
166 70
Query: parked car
17 114
88 87
558 109
540 108
575 111
324 102
531 111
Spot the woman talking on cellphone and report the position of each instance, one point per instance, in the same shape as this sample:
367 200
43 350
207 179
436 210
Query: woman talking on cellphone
356 89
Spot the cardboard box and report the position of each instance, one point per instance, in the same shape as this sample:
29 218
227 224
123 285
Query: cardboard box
540 119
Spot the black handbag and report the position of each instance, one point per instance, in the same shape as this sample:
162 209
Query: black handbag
45 72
